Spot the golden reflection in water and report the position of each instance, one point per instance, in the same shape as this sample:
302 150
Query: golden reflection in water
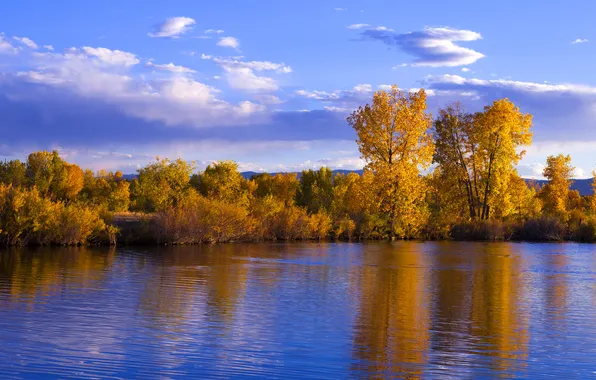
393 326
27 275
191 276
451 282
499 323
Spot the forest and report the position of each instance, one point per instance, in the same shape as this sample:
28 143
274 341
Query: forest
449 177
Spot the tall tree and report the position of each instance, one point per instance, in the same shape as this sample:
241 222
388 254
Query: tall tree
481 150
555 193
315 190
394 140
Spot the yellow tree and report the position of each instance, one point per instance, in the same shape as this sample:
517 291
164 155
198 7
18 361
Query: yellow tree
394 140
555 193
481 151
221 180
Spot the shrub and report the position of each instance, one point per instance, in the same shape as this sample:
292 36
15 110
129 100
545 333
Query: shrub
542 229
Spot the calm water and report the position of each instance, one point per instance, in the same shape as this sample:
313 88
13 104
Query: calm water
430 310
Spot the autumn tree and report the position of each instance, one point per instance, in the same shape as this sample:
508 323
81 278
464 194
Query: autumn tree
12 173
394 140
162 183
106 189
524 203
593 196
315 190
222 181
281 186
481 151
555 193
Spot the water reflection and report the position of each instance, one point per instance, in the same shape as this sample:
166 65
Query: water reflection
499 323
300 311
392 328
28 275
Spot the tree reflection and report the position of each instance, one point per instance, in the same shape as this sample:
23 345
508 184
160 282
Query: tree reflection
499 326
392 327
26 275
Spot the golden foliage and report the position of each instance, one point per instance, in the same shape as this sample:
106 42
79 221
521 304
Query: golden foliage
394 140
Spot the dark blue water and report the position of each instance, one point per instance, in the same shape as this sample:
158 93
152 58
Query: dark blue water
325 311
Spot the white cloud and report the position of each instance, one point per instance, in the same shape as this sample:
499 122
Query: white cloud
48 47
579 41
170 67
338 109
358 92
580 173
241 74
347 163
269 99
230 42
6 47
174 101
214 31
341 101
358 26
173 27
433 47
26 41
340 9
112 57
363 88
465 70
243 78
253 65
475 84
531 170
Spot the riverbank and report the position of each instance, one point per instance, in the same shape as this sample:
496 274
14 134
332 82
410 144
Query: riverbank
153 229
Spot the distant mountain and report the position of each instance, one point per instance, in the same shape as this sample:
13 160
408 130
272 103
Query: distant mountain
584 186
129 177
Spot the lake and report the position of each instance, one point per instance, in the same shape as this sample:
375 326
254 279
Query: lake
305 310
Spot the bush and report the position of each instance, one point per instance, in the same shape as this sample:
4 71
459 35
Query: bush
26 218
200 220
543 229
482 230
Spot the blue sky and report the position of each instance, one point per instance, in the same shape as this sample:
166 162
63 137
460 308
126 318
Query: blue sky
113 84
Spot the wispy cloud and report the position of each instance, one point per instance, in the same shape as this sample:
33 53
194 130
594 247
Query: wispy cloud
340 9
241 74
173 27
112 57
6 47
170 67
579 41
26 41
254 65
214 31
433 47
358 26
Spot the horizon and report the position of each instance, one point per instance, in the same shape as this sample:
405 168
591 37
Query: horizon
111 86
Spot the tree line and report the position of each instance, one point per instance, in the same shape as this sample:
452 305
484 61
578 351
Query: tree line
453 176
